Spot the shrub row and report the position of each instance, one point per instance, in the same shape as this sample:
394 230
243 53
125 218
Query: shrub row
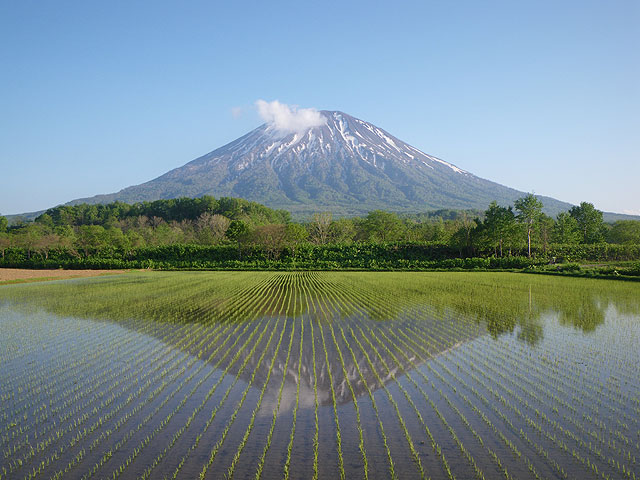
321 257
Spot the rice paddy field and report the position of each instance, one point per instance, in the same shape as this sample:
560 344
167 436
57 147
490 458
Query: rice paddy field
320 375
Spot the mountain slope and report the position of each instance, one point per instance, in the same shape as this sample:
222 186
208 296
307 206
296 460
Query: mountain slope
347 166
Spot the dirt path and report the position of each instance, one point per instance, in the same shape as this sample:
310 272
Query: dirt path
15 275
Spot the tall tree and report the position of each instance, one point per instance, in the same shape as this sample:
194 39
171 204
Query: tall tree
383 226
462 238
589 222
212 228
529 210
90 237
498 224
3 224
319 228
565 229
545 231
342 230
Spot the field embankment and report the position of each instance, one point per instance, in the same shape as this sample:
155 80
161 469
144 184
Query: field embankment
21 275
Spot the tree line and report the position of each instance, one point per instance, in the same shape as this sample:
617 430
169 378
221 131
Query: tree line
499 231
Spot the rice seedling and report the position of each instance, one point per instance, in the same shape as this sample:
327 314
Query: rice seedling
440 375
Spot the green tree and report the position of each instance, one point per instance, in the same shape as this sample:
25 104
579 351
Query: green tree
462 239
28 237
529 210
566 230
5 242
382 226
545 231
238 230
3 224
45 220
90 237
498 225
342 230
589 221
625 232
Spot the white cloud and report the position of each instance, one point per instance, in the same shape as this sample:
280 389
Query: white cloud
289 118
236 112
631 211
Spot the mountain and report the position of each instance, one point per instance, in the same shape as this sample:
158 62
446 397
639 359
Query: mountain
346 165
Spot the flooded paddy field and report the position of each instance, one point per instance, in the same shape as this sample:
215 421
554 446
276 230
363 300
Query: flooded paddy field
320 375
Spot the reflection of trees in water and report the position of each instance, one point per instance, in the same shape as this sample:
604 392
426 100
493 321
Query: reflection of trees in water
504 301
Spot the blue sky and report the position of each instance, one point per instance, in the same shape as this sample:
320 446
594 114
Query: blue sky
541 96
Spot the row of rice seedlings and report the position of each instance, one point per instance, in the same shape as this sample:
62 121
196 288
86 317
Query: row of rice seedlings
289 282
313 289
436 447
108 375
580 444
551 383
492 454
214 451
316 430
355 294
390 373
311 309
496 411
267 445
247 432
472 462
105 434
330 297
588 394
465 452
45 379
21 419
506 441
161 455
110 452
590 391
476 435
592 420
295 409
161 425
43 443
54 439
260 300
560 444
392 472
334 404
21 385
209 393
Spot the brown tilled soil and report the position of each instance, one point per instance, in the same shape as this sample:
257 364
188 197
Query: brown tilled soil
19 274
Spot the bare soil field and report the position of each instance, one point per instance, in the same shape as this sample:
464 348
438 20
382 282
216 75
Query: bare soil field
11 275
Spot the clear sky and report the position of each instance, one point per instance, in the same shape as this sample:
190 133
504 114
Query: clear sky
541 96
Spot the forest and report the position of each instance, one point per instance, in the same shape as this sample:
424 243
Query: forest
206 232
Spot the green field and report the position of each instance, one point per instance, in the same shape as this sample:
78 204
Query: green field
320 375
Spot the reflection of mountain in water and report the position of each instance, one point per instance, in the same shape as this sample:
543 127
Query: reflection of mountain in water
379 310
435 331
